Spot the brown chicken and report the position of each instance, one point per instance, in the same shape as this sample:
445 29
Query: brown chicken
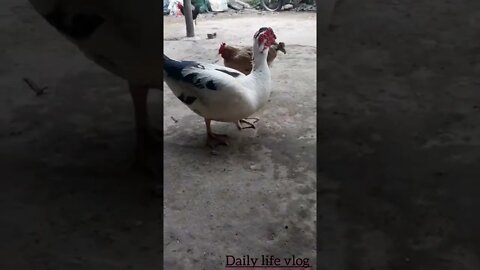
241 58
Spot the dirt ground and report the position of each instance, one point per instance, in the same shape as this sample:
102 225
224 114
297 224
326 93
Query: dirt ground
257 196
69 198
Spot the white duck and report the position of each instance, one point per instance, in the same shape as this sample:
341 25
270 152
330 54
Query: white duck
219 93
122 36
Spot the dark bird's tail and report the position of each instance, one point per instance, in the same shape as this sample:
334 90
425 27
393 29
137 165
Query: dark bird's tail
281 47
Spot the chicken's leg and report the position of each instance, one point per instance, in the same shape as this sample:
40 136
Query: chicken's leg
214 139
249 124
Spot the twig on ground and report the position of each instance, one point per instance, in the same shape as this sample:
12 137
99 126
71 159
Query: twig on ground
35 88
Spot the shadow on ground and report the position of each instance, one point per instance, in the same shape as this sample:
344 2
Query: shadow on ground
399 136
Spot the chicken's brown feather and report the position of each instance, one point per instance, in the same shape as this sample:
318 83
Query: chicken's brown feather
241 58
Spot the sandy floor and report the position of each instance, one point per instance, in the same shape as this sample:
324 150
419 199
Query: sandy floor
256 196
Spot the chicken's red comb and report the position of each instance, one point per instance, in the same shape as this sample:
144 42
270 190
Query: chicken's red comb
222 48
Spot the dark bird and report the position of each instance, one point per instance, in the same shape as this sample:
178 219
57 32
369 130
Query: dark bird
195 11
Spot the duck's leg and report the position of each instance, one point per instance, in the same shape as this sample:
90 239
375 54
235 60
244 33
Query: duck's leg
214 139
145 140
248 123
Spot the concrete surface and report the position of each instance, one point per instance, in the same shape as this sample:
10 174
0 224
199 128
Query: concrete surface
399 136
68 199
257 196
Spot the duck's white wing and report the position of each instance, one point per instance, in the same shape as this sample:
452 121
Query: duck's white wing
202 78
123 36
208 89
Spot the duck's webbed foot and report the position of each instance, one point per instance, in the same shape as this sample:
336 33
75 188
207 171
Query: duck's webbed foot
249 124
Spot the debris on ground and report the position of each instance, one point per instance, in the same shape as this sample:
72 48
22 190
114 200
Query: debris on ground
218 5
233 6
212 36
35 88
238 5
287 7
305 7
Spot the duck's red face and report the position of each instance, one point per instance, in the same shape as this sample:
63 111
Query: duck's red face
266 36
179 5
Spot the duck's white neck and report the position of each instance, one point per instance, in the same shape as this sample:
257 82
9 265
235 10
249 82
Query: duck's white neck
259 57
260 77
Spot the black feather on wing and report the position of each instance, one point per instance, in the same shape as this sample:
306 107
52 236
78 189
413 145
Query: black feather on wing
174 70
177 70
